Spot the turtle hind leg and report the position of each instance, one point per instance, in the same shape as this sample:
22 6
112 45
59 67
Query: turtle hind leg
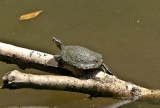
87 74
106 69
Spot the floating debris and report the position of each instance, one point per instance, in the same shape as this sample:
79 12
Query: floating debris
30 15
138 21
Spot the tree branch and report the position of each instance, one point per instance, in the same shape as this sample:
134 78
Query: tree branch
26 58
101 84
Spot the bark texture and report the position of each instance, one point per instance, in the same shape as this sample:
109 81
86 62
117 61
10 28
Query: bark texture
26 58
101 84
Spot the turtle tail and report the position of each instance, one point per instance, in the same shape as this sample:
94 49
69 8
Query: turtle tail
106 69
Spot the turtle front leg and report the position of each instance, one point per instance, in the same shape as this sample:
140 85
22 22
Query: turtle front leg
59 60
106 69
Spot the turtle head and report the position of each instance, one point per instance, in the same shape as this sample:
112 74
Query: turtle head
58 43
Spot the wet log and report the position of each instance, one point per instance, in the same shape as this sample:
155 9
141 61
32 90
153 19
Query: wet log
101 84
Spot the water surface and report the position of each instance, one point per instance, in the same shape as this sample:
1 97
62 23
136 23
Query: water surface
126 33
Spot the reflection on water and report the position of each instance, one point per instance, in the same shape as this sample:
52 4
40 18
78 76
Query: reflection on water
125 32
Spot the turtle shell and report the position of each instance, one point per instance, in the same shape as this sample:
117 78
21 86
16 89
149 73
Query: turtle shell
81 58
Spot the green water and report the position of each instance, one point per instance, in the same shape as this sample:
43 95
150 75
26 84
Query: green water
125 32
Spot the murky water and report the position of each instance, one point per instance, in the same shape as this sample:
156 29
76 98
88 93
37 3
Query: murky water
125 32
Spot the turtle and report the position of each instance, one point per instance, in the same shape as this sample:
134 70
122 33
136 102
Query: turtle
80 58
